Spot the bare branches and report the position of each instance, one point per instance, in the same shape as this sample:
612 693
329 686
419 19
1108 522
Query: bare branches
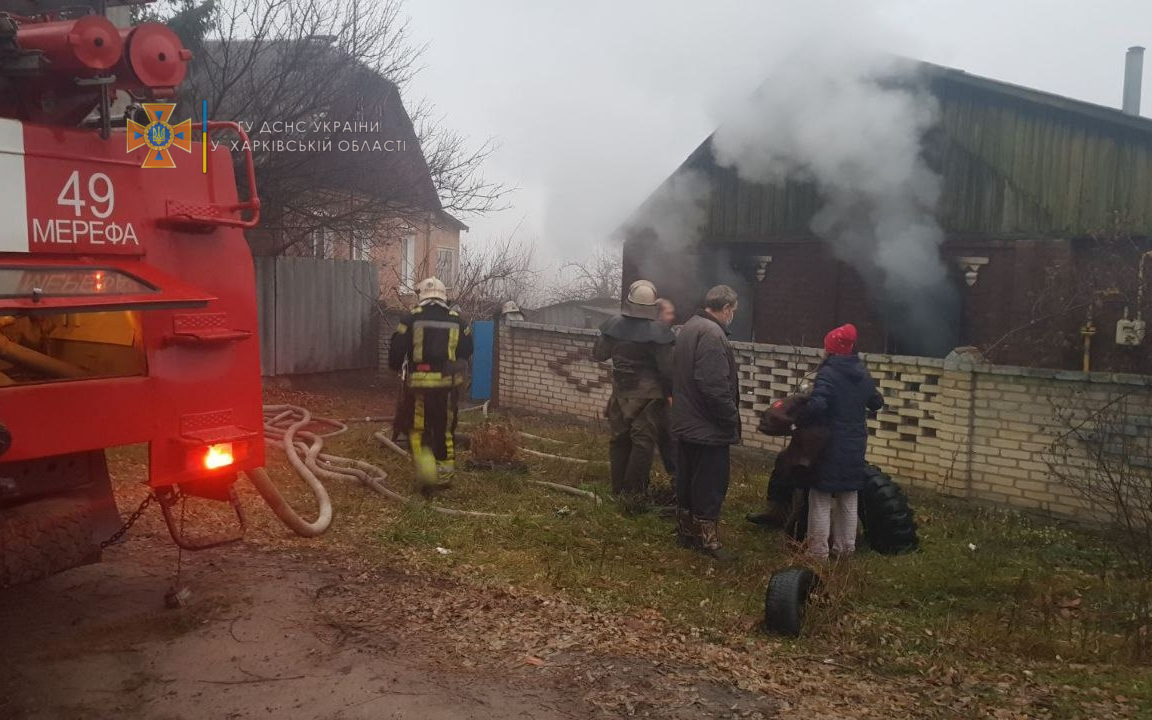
455 167
319 84
1093 279
1104 454
499 271
598 277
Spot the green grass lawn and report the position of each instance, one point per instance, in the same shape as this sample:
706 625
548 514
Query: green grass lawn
989 592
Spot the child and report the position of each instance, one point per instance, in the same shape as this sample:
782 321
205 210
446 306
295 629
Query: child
843 396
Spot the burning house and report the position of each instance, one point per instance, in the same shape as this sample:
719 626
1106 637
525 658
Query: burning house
932 208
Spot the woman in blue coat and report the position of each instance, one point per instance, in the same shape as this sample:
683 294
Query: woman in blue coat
843 396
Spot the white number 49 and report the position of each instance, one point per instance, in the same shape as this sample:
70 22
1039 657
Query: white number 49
100 193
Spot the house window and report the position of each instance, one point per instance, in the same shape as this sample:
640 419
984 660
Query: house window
446 266
361 245
408 264
320 244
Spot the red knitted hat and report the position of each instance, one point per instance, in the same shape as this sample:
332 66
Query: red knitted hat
840 341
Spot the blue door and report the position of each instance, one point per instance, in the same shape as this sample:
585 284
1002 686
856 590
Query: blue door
482 360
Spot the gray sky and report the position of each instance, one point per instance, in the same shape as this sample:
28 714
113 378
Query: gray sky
595 102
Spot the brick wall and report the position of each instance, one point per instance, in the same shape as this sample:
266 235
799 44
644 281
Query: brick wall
970 430
1021 310
549 369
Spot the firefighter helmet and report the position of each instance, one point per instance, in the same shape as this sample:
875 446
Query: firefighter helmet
641 301
431 289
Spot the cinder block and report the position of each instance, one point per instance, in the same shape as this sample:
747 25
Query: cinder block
1031 486
999 462
1017 455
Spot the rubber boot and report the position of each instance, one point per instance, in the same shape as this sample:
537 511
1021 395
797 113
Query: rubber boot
633 504
687 535
710 540
618 454
772 517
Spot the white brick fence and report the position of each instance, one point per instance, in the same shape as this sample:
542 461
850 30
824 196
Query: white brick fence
971 430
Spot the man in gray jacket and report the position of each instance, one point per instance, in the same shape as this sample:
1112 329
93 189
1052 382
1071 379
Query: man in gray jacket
705 420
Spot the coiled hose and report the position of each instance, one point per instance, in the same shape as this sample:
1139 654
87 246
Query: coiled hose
284 428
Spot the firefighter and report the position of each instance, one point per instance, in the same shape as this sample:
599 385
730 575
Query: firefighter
432 344
511 311
641 351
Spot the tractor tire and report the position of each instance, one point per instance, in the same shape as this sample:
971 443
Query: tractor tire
889 525
45 537
786 600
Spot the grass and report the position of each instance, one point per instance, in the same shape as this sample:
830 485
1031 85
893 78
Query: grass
991 594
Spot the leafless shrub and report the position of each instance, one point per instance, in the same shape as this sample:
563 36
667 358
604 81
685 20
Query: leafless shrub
1103 455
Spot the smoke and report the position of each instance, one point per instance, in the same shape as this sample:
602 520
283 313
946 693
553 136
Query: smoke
675 214
836 118
665 232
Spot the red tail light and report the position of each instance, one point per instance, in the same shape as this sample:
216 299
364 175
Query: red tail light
210 458
218 456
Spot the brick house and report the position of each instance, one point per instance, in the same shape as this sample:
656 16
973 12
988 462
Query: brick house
333 201
1045 199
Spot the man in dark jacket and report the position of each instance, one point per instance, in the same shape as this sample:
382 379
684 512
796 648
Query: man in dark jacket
843 396
705 420
667 444
641 353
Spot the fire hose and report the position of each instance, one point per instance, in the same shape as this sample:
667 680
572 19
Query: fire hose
285 428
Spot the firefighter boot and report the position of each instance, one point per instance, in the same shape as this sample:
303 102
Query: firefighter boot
686 532
446 472
426 476
710 540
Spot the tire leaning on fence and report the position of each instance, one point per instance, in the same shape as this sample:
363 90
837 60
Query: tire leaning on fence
889 525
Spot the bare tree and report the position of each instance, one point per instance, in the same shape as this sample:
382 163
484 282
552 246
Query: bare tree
455 164
495 273
1103 453
596 277
318 83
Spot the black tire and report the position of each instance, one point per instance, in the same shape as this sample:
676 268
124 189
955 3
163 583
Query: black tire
889 524
43 538
786 600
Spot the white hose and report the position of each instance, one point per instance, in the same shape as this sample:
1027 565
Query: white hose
282 425
562 458
541 439
284 429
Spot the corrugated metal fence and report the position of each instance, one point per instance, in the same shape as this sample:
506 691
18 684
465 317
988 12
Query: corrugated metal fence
316 315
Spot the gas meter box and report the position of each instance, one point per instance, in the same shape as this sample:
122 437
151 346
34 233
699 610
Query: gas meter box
1129 333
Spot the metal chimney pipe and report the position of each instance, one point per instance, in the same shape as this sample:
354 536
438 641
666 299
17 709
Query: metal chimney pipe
1133 80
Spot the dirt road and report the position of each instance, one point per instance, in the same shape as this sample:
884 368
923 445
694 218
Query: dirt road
97 642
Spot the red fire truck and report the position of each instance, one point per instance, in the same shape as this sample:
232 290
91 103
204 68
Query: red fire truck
127 291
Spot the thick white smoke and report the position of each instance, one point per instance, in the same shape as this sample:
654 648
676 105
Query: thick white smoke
676 212
835 118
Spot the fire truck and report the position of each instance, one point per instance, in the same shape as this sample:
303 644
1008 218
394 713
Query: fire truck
127 292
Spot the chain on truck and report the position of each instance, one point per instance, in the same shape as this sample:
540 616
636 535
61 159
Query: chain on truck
127 291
